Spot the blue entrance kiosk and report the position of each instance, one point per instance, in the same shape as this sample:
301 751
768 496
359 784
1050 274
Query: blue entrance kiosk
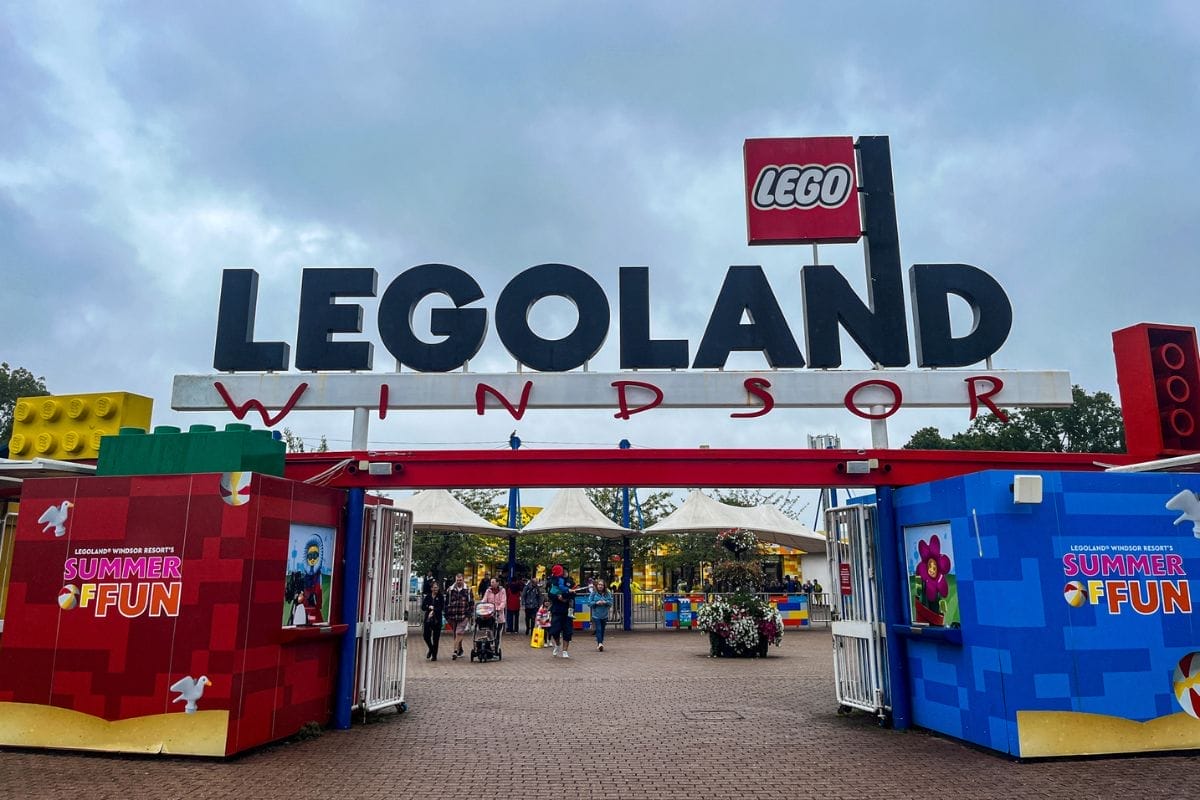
1045 615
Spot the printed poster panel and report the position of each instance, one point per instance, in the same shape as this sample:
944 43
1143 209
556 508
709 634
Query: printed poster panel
308 586
932 586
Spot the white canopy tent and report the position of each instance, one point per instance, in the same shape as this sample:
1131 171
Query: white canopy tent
700 513
438 510
772 525
572 512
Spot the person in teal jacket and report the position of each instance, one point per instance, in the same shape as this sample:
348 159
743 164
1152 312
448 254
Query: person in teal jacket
600 600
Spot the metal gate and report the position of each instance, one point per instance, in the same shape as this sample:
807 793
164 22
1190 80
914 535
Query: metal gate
383 639
859 631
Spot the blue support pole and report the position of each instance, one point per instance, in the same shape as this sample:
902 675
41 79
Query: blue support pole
626 563
343 701
514 516
893 583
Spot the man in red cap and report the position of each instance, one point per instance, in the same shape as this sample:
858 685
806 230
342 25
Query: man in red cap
562 599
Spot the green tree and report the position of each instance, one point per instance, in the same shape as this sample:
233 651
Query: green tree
15 383
295 444
785 500
587 553
444 554
594 553
1091 424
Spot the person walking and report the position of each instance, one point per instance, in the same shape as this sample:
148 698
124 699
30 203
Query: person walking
531 600
458 612
515 586
497 596
562 603
600 600
485 582
543 621
433 607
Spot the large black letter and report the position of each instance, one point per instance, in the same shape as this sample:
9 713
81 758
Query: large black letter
878 326
746 291
552 280
638 350
321 318
236 350
991 312
464 328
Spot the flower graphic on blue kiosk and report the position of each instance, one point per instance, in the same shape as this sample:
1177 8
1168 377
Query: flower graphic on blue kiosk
932 568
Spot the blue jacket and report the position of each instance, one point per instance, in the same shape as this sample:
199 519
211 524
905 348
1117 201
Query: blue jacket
562 595
601 604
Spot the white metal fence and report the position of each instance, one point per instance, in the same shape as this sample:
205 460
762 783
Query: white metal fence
384 638
859 643
648 609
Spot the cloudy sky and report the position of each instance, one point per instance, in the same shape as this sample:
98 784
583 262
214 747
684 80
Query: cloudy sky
145 147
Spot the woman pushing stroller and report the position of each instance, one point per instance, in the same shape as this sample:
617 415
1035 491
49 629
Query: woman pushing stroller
489 622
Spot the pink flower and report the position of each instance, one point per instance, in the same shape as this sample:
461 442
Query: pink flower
933 569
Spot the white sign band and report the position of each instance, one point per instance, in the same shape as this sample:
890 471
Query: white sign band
565 390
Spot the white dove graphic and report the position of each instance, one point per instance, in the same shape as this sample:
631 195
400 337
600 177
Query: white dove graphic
1187 502
190 691
55 517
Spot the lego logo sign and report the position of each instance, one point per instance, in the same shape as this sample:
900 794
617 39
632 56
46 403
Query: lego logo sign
801 191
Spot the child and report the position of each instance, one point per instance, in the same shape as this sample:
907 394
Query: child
543 621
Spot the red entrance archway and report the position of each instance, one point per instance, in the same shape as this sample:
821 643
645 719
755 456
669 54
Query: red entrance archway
799 468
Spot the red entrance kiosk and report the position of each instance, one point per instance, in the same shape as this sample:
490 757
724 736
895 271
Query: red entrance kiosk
187 614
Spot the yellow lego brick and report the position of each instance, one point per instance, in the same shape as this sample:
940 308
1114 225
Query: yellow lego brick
69 427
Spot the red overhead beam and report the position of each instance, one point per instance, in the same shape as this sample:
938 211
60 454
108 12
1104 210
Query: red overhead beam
466 469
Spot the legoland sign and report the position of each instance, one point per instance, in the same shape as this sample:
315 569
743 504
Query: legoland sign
801 190
797 190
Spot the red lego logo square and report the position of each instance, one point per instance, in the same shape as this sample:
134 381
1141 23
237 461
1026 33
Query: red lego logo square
802 191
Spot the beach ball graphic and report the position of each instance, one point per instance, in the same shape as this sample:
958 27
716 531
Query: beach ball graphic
1074 594
1187 677
235 488
68 597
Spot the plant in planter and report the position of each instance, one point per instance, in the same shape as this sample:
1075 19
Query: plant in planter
737 576
741 625
737 540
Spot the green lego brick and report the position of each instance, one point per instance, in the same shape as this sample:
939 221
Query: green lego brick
168 451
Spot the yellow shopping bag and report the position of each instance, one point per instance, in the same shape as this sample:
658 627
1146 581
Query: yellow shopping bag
539 637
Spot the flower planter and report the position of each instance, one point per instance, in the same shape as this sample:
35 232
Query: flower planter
741 626
719 648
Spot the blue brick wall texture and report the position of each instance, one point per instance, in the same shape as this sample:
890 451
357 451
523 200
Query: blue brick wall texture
1024 646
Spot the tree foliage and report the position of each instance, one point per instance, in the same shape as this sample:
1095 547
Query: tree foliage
295 444
15 383
1091 424
785 500
444 554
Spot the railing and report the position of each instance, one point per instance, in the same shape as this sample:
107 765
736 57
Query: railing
820 609
648 608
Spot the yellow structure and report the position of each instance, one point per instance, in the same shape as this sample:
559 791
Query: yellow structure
8 530
69 427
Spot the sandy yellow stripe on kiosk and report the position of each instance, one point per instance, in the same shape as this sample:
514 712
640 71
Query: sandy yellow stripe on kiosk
30 725
1044 734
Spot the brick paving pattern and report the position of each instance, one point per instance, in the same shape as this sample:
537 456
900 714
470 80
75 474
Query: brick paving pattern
652 717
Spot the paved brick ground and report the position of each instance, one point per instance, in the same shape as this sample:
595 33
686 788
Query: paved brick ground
652 717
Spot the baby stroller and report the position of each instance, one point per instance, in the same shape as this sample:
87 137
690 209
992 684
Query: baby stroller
485 641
